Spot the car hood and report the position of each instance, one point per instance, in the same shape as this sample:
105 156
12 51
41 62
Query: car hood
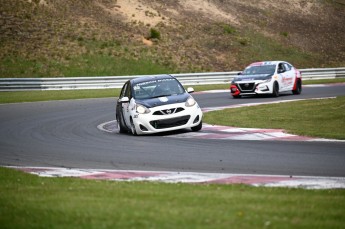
164 100
253 77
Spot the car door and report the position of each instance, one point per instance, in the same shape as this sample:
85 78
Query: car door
126 105
289 76
122 105
284 76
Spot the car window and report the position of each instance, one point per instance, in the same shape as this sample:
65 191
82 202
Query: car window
123 90
262 69
157 88
281 68
287 67
128 91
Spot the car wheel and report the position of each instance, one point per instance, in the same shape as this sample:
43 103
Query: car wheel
122 127
133 130
275 92
198 127
298 88
236 96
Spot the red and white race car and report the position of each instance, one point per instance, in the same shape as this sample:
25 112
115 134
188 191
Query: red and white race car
268 77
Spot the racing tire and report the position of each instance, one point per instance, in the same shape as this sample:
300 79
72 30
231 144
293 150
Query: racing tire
122 128
275 91
298 88
236 96
198 127
133 130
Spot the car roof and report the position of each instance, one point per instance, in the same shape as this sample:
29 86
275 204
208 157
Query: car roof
275 62
150 78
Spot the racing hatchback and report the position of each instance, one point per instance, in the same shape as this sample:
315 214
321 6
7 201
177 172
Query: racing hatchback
269 77
153 104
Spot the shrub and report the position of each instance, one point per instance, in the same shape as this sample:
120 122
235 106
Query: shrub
285 34
228 29
154 34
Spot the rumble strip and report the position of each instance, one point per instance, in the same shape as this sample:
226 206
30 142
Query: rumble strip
306 182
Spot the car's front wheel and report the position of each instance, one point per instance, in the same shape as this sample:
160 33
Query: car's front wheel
122 127
133 130
198 127
275 91
236 96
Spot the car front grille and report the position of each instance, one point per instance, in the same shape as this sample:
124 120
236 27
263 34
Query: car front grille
169 111
168 123
247 87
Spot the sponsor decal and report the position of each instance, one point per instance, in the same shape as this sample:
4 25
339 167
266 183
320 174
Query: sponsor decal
163 99
248 79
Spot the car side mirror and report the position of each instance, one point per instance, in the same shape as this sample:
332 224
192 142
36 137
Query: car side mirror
240 73
190 90
281 70
124 100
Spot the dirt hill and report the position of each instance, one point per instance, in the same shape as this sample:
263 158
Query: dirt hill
184 35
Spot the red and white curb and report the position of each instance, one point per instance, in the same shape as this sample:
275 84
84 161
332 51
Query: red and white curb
235 133
248 134
306 182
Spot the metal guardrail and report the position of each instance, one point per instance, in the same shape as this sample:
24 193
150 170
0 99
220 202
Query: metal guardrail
103 82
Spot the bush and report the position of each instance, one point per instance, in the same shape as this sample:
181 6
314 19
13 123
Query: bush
285 34
154 34
229 29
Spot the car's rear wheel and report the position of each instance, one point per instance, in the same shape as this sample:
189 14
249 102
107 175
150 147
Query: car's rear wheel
198 127
133 130
275 91
298 88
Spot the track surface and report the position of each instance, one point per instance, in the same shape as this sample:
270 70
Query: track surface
65 134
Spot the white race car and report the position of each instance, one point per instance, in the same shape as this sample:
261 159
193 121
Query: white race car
269 77
153 104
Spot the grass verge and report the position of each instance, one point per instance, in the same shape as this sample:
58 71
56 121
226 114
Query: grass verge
318 118
34 96
28 201
84 65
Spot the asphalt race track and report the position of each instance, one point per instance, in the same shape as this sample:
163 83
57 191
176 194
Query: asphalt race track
65 134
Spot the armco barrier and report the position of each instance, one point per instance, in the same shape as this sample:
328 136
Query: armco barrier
103 82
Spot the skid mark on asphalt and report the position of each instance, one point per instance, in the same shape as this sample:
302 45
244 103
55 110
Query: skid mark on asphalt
306 182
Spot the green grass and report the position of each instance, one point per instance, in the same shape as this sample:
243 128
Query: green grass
78 66
318 118
257 47
324 81
34 96
28 201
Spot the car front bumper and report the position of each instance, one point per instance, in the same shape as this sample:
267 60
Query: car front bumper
251 88
159 120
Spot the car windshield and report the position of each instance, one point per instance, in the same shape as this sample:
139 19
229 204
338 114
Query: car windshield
262 69
157 88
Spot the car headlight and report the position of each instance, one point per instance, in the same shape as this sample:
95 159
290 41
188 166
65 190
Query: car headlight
267 80
190 102
142 109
